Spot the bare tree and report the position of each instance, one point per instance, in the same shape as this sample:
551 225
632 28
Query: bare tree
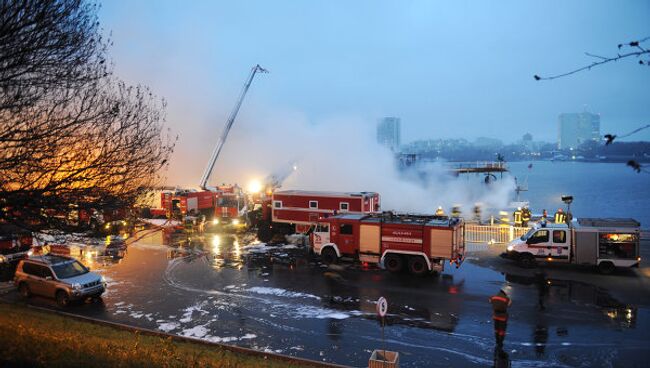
72 136
46 44
630 49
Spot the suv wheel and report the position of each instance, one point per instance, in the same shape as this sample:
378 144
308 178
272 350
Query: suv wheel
62 298
23 289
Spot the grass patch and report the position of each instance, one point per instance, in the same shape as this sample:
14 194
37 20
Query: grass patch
35 338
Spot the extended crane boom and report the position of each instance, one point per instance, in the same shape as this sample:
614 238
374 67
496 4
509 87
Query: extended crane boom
222 140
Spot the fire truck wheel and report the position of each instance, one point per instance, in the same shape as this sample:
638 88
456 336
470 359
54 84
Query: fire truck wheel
527 261
24 290
393 263
328 255
264 233
606 268
418 266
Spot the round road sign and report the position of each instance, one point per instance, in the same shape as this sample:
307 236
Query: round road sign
382 306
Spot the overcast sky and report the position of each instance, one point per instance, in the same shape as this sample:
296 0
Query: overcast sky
448 69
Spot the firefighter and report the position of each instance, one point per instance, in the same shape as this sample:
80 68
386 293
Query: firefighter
477 213
500 303
560 217
440 211
188 223
504 219
544 218
202 221
525 216
501 358
517 217
455 211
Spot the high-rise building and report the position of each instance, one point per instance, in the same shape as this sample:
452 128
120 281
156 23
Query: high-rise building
575 129
388 133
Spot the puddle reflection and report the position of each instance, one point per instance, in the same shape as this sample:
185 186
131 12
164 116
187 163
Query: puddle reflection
555 291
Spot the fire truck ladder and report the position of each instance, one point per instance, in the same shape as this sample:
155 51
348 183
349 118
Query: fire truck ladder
222 140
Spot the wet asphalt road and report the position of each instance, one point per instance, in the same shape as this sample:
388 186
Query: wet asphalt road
220 288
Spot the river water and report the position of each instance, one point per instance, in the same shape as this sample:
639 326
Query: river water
598 189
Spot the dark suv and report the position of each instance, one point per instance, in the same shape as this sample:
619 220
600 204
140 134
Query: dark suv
59 277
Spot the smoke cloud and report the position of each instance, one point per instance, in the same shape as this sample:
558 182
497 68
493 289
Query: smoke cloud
337 154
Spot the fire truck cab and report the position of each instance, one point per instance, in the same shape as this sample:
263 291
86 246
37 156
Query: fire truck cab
420 243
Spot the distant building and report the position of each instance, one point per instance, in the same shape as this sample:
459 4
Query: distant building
575 129
388 133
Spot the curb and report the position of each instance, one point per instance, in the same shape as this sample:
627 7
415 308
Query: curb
145 331
6 287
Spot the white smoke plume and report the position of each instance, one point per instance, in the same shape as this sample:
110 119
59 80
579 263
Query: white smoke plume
341 154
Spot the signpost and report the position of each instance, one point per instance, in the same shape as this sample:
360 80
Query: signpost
383 358
382 309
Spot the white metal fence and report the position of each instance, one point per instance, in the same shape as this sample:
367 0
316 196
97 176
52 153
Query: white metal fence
492 234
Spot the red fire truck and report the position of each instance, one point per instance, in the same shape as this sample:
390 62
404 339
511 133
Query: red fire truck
188 202
421 243
221 206
289 211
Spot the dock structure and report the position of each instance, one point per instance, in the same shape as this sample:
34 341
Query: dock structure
489 169
481 167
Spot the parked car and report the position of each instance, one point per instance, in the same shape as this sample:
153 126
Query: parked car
59 277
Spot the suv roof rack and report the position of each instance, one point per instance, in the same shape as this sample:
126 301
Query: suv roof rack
50 259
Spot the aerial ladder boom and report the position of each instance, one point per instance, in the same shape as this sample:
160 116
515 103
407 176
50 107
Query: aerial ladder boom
231 119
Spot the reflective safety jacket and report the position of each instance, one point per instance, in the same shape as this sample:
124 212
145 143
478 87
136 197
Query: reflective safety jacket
500 303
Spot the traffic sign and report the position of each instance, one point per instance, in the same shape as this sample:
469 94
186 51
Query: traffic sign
382 307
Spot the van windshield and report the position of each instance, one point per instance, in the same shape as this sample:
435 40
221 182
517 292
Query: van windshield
528 234
69 269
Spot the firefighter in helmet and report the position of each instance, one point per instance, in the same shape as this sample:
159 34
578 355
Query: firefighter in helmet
504 219
500 303
440 211
544 218
455 211
525 216
560 217
477 213
517 216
